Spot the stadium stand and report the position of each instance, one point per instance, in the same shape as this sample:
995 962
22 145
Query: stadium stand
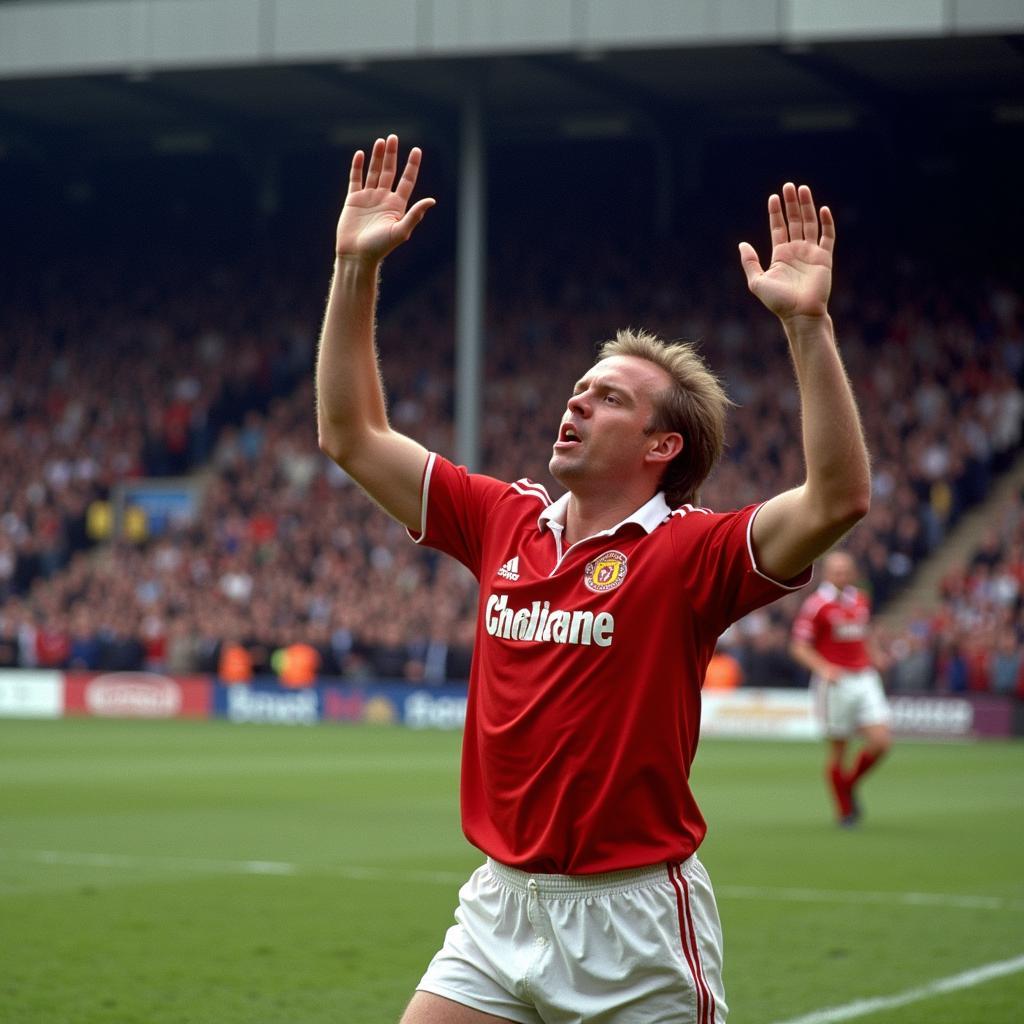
285 551
972 639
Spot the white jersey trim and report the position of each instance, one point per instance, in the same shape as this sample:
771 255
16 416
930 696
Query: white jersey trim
427 471
529 489
753 558
684 510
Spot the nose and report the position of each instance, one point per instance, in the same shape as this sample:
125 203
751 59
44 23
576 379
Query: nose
578 403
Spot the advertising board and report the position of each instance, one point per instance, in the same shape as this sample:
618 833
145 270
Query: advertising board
949 716
789 714
761 714
435 707
265 700
786 714
267 703
754 713
26 693
137 695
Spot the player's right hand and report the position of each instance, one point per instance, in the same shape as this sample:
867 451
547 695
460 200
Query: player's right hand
375 218
798 280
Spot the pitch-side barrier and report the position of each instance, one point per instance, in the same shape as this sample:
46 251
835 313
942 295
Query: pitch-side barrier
742 713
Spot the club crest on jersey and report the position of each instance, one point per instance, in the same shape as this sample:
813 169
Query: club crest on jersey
606 572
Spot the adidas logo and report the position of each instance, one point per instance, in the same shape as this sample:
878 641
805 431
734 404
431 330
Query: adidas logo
510 570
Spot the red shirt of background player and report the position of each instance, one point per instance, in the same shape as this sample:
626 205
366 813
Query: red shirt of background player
584 697
835 623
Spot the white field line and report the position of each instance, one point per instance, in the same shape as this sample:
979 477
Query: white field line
909 899
357 872
954 983
60 858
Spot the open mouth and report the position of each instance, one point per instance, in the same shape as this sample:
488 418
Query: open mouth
568 437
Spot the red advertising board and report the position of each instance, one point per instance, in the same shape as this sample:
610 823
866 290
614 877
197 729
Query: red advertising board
137 695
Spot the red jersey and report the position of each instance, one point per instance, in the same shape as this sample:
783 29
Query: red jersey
584 692
836 625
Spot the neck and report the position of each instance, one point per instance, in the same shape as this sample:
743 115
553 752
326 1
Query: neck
586 516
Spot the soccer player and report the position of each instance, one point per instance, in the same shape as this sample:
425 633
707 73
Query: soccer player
598 614
830 638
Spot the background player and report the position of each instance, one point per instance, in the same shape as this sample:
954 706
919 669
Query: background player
831 638
598 615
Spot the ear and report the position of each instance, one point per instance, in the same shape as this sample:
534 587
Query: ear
664 448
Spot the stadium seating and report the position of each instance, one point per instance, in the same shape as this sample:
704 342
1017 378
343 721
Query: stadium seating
286 550
972 641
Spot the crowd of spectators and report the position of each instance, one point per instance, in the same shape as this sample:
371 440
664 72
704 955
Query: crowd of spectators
103 383
974 639
284 548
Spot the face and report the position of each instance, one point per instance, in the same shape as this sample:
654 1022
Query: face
840 570
602 437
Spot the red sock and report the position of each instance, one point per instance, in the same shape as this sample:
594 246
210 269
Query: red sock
865 763
840 788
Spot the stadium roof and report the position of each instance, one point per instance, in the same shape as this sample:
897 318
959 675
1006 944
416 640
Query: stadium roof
939 84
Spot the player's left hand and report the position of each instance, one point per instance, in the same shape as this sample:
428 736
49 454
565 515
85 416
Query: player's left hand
798 280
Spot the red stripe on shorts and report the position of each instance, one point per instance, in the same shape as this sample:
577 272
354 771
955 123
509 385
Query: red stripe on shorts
696 949
702 1017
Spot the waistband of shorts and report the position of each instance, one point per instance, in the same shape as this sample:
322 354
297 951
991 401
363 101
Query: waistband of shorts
607 884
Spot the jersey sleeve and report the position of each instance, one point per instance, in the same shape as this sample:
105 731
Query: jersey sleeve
719 567
453 510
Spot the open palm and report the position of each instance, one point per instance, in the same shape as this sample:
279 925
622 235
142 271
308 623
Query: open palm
799 278
375 218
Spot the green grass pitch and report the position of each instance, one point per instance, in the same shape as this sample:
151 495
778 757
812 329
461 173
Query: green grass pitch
207 873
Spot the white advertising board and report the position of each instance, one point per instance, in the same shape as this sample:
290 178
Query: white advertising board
761 714
25 693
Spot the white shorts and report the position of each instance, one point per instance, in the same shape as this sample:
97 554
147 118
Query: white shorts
629 947
854 700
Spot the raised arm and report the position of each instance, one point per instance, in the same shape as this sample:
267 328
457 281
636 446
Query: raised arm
794 528
352 417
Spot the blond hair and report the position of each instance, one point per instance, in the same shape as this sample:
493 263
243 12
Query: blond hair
694 405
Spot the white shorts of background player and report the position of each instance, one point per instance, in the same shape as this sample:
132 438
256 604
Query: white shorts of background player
856 699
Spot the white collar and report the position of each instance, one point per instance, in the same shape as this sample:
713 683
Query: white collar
832 593
647 516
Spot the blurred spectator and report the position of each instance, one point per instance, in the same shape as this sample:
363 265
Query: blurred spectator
724 672
1006 662
297 664
234 665
913 669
